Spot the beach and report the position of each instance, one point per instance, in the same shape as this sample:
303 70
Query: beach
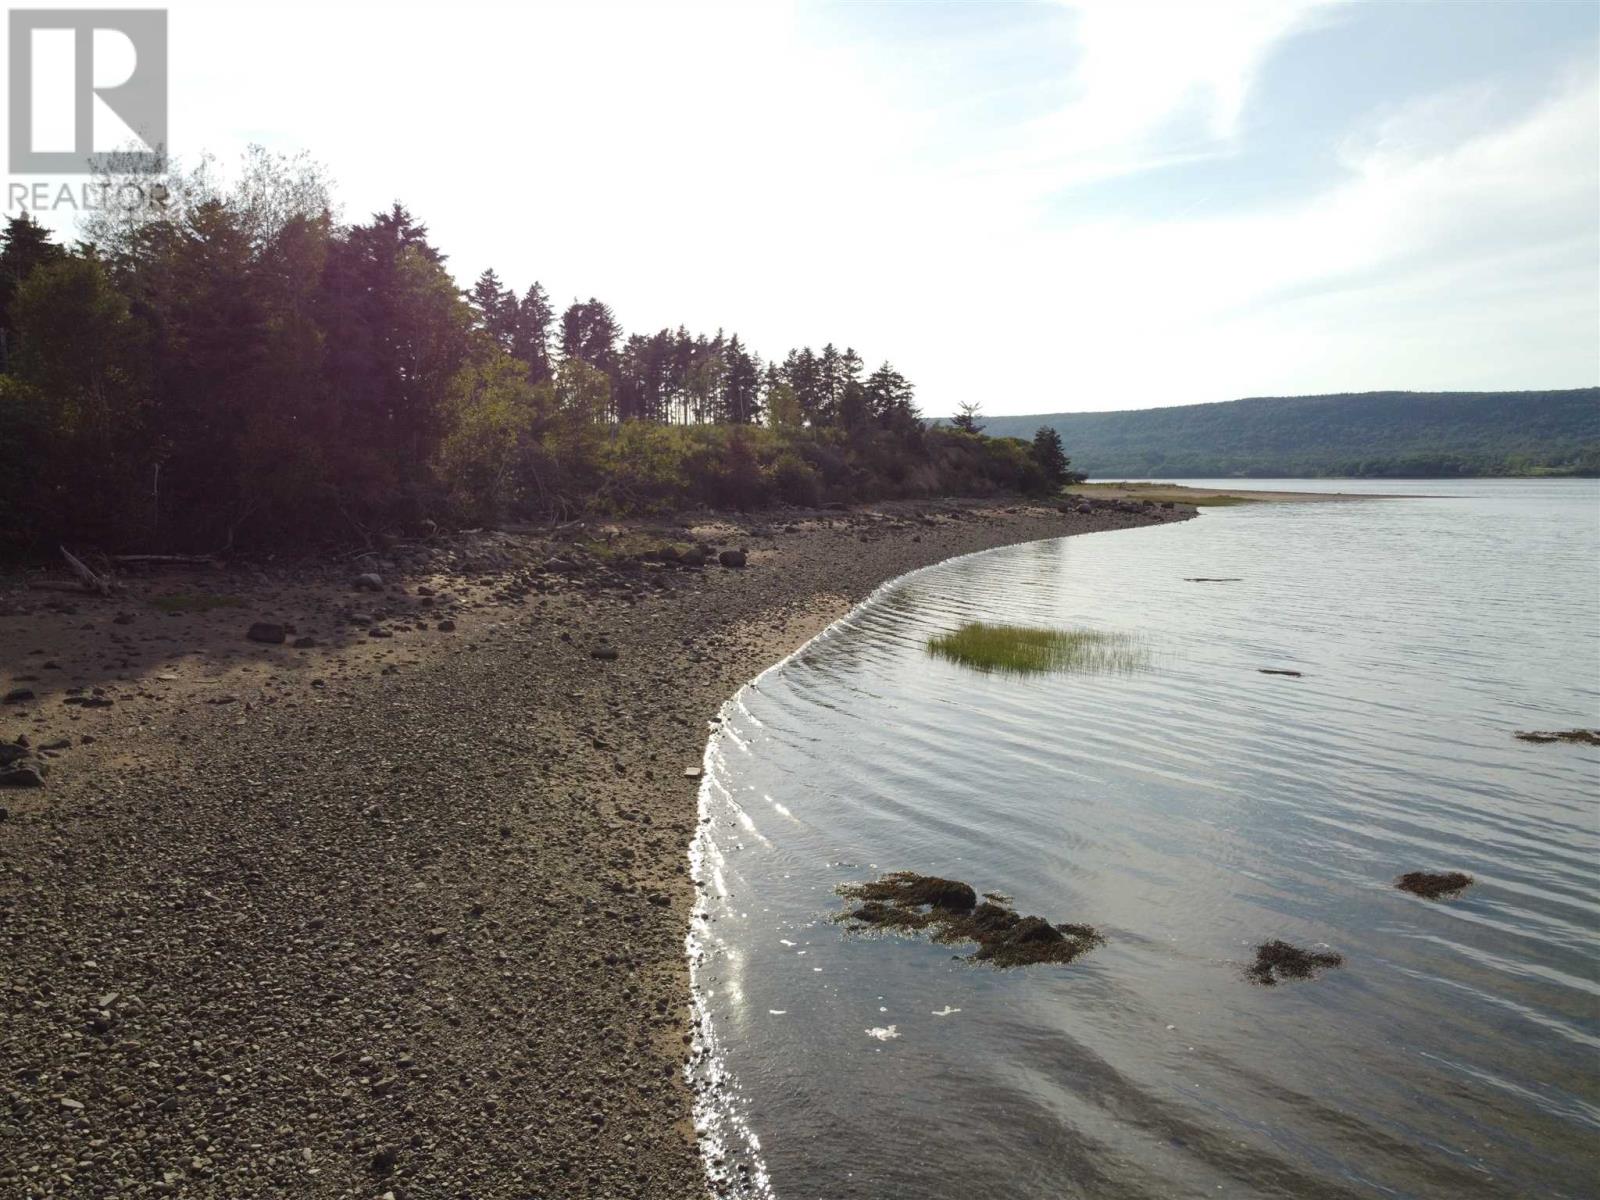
401 910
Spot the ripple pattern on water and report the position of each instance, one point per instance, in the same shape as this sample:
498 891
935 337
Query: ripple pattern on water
1189 812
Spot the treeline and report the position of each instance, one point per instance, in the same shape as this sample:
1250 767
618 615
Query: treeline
1370 434
239 367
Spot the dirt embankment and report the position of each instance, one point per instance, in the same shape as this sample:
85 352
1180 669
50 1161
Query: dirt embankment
399 908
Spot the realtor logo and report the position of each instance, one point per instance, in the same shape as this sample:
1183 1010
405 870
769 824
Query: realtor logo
87 81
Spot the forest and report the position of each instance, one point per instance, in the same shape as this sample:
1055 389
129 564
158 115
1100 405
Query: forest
238 368
1373 434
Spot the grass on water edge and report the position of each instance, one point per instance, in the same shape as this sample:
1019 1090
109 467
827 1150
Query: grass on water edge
180 602
1160 491
1026 650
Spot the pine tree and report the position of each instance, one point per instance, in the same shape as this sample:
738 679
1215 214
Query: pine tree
495 309
530 341
967 419
24 245
1052 458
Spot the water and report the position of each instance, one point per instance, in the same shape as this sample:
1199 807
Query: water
1190 812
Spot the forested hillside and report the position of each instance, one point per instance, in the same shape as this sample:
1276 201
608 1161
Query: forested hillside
1381 434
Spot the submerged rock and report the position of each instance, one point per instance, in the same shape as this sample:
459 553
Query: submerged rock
1432 885
1277 961
949 909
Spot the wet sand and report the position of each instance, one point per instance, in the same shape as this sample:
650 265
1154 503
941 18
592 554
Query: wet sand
397 914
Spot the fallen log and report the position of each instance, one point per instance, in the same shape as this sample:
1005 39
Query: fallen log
91 581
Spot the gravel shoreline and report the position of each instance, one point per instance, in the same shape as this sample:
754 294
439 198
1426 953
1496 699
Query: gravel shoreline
396 914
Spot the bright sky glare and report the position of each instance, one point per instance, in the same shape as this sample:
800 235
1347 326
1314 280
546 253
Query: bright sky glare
1040 206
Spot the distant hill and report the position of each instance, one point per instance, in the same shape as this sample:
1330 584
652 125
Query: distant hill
1394 434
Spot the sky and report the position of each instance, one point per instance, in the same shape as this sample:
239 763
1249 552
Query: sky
1041 207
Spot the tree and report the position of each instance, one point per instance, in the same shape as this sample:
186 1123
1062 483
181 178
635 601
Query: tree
966 420
82 359
1052 458
589 332
530 340
741 401
495 309
24 245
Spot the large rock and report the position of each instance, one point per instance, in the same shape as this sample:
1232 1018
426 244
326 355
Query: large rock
268 632
732 558
26 775
18 696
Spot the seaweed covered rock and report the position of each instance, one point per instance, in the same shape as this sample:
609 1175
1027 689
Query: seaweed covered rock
1432 885
906 902
1277 961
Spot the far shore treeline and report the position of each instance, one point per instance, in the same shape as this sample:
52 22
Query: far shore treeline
239 368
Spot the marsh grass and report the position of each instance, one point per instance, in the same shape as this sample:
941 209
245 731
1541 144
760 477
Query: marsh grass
180 602
1027 650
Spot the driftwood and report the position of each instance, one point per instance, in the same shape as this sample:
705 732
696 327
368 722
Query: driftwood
91 582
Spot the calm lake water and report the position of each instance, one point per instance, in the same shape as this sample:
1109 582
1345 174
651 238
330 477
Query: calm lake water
1190 811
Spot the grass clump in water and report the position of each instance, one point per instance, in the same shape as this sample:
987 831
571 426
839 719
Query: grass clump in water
904 902
1026 649
1580 737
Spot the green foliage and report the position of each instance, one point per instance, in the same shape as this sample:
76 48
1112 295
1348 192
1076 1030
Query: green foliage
234 366
1376 434
1027 650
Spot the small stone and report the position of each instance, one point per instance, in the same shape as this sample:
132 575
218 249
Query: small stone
304 643
437 934
368 583
446 626
691 772
74 1105
604 653
267 632
378 631
732 558
18 695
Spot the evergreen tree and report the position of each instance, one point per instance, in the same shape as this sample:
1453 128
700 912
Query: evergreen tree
1052 458
24 245
967 419
495 309
530 340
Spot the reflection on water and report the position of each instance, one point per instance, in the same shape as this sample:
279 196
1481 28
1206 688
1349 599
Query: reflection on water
1189 813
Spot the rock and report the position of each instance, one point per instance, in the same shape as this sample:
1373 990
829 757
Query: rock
378 631
446 626
18 695
267 632
11 752
368 582
436 935
21 776
360 618
691 772
122 619
304 643
693 557
604 653
732 558
384 1161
